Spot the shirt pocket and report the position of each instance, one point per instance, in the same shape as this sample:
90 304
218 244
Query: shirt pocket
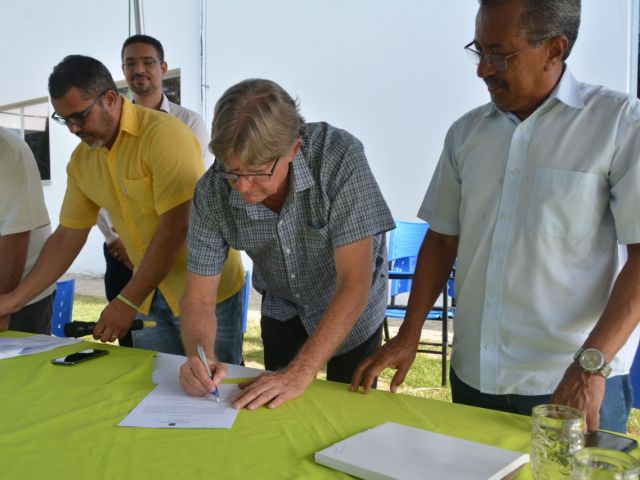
139 191
316 244
257 238
566 204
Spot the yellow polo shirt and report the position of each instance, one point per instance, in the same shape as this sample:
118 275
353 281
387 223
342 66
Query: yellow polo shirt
152 167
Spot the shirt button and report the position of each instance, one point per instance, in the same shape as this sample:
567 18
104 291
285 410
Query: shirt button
297 295
287 250
293 275
523 128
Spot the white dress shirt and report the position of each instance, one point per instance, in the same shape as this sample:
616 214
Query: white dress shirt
539 207
195 122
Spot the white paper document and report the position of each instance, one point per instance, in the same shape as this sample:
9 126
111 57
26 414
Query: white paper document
394 451
166 369
168 406
14 347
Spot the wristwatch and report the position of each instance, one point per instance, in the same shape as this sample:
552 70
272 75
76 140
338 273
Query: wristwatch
591 360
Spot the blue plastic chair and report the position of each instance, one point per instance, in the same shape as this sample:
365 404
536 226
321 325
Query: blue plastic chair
62 306
404 244
245 309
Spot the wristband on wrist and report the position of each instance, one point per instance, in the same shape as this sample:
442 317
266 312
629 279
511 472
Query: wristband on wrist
127 302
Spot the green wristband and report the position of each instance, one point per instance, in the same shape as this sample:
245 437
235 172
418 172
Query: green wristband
127 302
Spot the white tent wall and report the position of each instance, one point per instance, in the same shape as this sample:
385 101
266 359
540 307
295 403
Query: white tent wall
392 73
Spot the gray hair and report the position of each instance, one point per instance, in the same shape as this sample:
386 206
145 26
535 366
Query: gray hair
256 120
547 18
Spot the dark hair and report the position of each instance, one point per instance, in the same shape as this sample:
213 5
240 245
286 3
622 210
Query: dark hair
547 18
84 73
144 39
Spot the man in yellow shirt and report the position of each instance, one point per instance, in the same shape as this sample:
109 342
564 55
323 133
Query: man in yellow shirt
142 166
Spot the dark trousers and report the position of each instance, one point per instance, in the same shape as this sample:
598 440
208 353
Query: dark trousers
614 411
116 276
283 339
34 318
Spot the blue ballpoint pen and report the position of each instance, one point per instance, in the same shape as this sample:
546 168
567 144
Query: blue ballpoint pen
203 359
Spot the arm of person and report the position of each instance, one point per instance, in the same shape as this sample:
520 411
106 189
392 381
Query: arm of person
13 256
59 251
117 317
620 317
115 246
435 261
198 327
353 269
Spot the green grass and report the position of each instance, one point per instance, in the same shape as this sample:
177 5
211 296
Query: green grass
87 308
423 379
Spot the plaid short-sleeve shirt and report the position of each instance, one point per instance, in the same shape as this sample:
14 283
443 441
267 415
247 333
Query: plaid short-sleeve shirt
333 200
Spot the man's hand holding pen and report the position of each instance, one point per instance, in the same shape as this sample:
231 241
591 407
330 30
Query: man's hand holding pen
195 379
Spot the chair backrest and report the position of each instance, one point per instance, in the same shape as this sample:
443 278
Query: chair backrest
245 308
405 240
404 244
62 306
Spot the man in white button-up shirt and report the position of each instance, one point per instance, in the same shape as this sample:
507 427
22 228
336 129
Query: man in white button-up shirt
532 194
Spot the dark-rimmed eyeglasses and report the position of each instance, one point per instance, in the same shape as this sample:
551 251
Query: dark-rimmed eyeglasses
220 170
496 61
77 119
146 62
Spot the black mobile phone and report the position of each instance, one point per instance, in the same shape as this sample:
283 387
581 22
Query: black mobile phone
602 439
78 357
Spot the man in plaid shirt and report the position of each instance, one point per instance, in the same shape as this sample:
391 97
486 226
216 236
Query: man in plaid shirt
300 199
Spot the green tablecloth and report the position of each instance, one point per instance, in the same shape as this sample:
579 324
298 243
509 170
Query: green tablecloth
60 423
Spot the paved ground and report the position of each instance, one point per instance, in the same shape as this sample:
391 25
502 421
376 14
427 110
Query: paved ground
94 286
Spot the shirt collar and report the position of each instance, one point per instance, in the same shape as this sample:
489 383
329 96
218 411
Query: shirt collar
164 105
566 91
301 175
128 118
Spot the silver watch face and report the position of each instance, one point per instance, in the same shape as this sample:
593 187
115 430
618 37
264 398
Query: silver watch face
592 360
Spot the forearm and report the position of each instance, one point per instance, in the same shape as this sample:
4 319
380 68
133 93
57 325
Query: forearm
13 255
353 284
197 313
622 312
338 320
197 326
160 255
435 262
57 255
155 266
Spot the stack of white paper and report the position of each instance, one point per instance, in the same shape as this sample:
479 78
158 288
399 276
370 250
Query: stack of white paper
14 347
394 451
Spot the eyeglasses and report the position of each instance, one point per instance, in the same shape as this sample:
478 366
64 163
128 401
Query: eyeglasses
219 170
496 61
77 119
146 62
